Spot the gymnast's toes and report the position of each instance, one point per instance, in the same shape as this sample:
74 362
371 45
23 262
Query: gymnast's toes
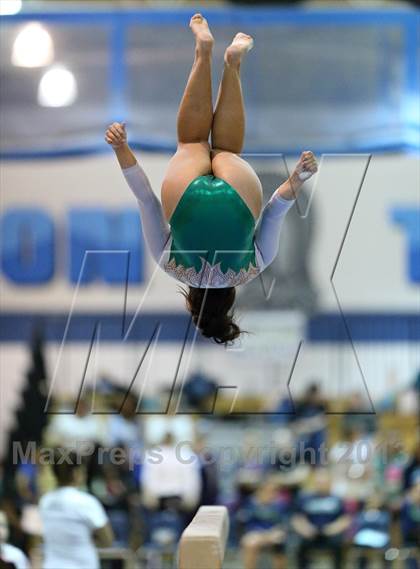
201 30
241 44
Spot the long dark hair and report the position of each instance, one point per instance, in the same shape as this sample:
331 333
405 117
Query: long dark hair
214 318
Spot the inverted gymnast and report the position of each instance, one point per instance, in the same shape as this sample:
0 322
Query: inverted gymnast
205 233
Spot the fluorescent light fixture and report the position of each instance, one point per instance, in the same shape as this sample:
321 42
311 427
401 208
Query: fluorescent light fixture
57 88
10 7
33 47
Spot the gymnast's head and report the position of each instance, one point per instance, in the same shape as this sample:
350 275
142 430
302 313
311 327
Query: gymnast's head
214 318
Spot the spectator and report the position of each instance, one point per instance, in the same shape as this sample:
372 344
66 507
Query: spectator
407 401
352 465
253 464
10 556
27 483
389 463
353 448
9 504
310 425
208 472
200 392
73 521
77 429
410 523
283 411
320 521
171 473
263 519
291 471
123 425
115 487
359 414
372 530
412 469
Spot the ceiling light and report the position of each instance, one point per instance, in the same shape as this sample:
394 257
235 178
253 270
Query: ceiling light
10 7
57 88
33 47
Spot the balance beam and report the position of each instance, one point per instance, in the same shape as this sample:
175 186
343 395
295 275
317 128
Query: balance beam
203 542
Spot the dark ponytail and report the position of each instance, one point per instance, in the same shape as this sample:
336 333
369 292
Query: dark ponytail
214 319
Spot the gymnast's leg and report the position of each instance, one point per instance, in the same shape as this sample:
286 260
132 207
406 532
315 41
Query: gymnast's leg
195 117
228 129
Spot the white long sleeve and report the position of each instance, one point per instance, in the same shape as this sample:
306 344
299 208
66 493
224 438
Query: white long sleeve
156 229
268 229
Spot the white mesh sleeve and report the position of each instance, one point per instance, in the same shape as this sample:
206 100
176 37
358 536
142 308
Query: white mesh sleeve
156 229
268 229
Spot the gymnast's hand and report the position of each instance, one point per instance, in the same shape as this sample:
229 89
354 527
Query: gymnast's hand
306 167
116 135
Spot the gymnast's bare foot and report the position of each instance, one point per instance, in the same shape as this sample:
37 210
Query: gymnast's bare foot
203 36
241 44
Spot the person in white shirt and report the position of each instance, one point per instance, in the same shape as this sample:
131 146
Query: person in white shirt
74 522
9 553
80 430
171 472
123 427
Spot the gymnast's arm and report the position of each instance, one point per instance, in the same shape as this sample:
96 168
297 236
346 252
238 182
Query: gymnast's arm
271 221
155 226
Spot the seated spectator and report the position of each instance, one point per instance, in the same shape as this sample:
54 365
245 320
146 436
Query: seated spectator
27 483
285 458
359 414
123 428
351 458
200 392
412 468
10 556
253 464
410 524
407 399
372 529
309 425
171 475
115 487
79 430
320 521
155 427
353 448
209 473
290 471
389 461
73 521
263 520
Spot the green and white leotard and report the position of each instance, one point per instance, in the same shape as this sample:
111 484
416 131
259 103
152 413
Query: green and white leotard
211 240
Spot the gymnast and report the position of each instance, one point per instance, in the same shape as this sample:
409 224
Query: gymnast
209 232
